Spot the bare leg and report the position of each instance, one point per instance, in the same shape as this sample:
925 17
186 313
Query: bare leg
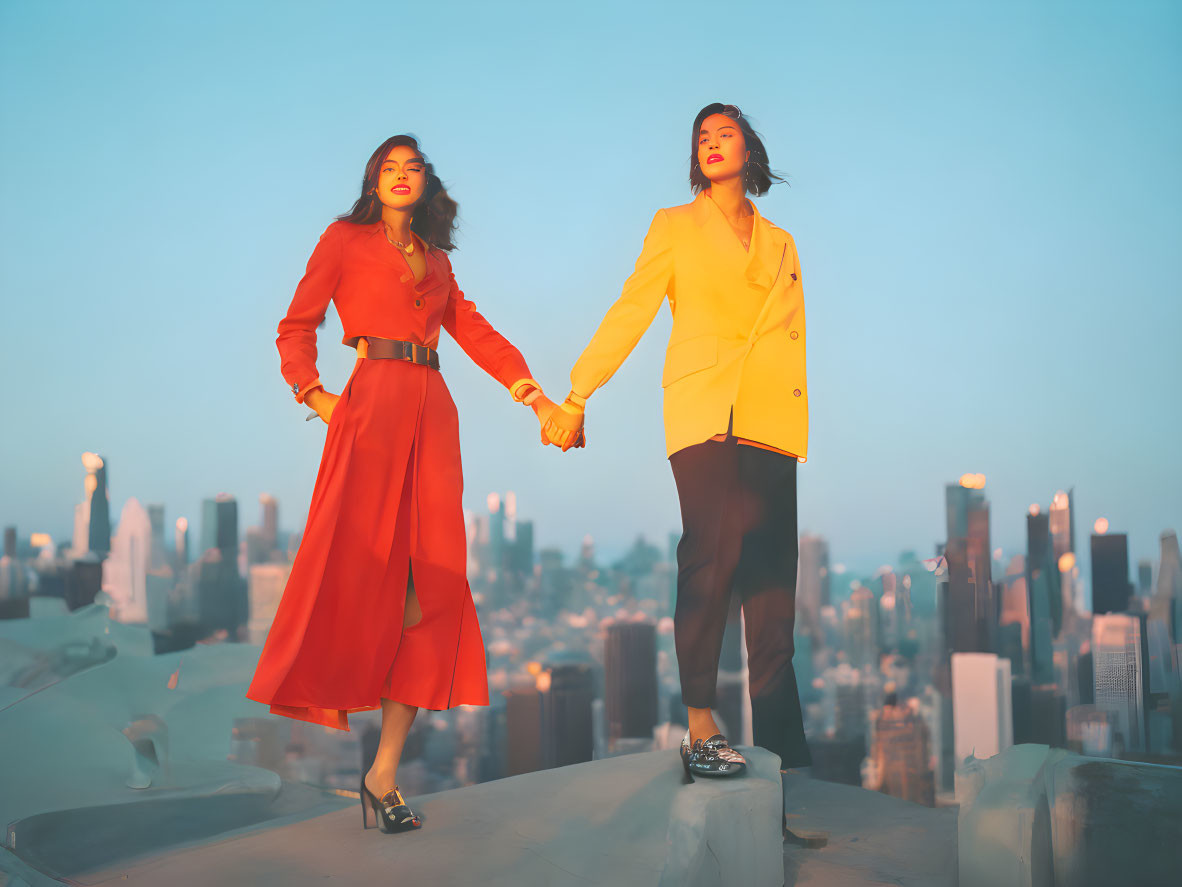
701 723
397 718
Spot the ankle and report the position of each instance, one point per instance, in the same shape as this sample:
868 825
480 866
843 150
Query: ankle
380 780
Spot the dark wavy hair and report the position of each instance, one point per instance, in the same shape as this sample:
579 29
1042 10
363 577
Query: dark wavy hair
434 218
758 177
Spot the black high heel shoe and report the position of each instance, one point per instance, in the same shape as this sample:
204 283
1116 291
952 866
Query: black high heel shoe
711 757
392 812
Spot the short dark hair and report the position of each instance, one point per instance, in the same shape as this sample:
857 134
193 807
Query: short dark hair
434 218
758 177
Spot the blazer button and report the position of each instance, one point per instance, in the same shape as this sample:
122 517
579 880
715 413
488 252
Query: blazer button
794 334
796 391
418 303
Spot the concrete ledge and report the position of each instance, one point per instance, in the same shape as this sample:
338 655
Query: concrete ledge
1112 820
620 821
1033 816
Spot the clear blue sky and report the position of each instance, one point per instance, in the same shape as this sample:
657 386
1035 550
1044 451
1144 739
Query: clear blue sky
987 201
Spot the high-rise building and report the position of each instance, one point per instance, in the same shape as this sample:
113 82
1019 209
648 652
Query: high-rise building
982 707
812 587
1145 577
891 617
860 622
901 756
182 543
159 557
219 524
265 584
971 612
523 712
1118 662
1014 627
567 736
262 542
221 591
1111 590
14 586
1062 522
849 702
1166 605
125 570
1046 604
630 680
270 518
92 518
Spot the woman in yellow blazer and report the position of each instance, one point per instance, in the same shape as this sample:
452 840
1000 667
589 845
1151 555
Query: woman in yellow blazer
736 424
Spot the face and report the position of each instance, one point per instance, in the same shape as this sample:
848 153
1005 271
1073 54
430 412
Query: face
722 150
402 178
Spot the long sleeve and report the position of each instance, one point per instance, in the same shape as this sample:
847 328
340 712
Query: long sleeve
297 329
632 313
488 349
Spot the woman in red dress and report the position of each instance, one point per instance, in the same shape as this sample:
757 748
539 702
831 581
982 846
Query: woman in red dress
377 611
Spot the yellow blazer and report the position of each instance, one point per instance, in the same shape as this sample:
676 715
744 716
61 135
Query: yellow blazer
738 329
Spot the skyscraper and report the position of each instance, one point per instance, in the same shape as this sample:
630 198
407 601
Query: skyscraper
159 557
860 621
630 680
1111 590
221 592
265 584
1046 604
1014 628
566 720
219 524
125 570
1062 522
523 712
182 543
971 614
1166 605
812 589
1118 663
92 518
982 707
270 518
901 756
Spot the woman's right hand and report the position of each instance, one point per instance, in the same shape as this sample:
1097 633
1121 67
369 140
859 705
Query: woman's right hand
322 402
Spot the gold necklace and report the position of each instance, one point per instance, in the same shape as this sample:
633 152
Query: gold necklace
409 250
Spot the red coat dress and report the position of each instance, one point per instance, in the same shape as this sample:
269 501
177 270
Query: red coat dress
387 496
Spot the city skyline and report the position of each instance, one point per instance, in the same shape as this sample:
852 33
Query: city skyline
984 200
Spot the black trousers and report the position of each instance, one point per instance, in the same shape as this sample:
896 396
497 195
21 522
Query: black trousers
738 515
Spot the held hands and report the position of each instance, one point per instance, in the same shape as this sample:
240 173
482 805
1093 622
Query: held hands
322 402
563 427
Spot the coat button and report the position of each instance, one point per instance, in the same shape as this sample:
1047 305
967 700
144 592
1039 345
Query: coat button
796 391
794 334
418 303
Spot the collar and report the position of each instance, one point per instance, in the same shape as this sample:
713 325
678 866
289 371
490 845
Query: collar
760 261
376 228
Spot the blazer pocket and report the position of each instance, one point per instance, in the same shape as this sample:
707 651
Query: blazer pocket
690 356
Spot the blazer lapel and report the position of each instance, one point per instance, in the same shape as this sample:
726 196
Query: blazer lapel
765 266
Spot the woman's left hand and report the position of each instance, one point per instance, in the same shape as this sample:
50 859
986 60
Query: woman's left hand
543 407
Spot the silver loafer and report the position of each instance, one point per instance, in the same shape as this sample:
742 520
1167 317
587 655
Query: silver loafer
711 757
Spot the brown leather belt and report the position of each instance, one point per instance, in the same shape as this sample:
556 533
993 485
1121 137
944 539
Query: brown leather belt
397 349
